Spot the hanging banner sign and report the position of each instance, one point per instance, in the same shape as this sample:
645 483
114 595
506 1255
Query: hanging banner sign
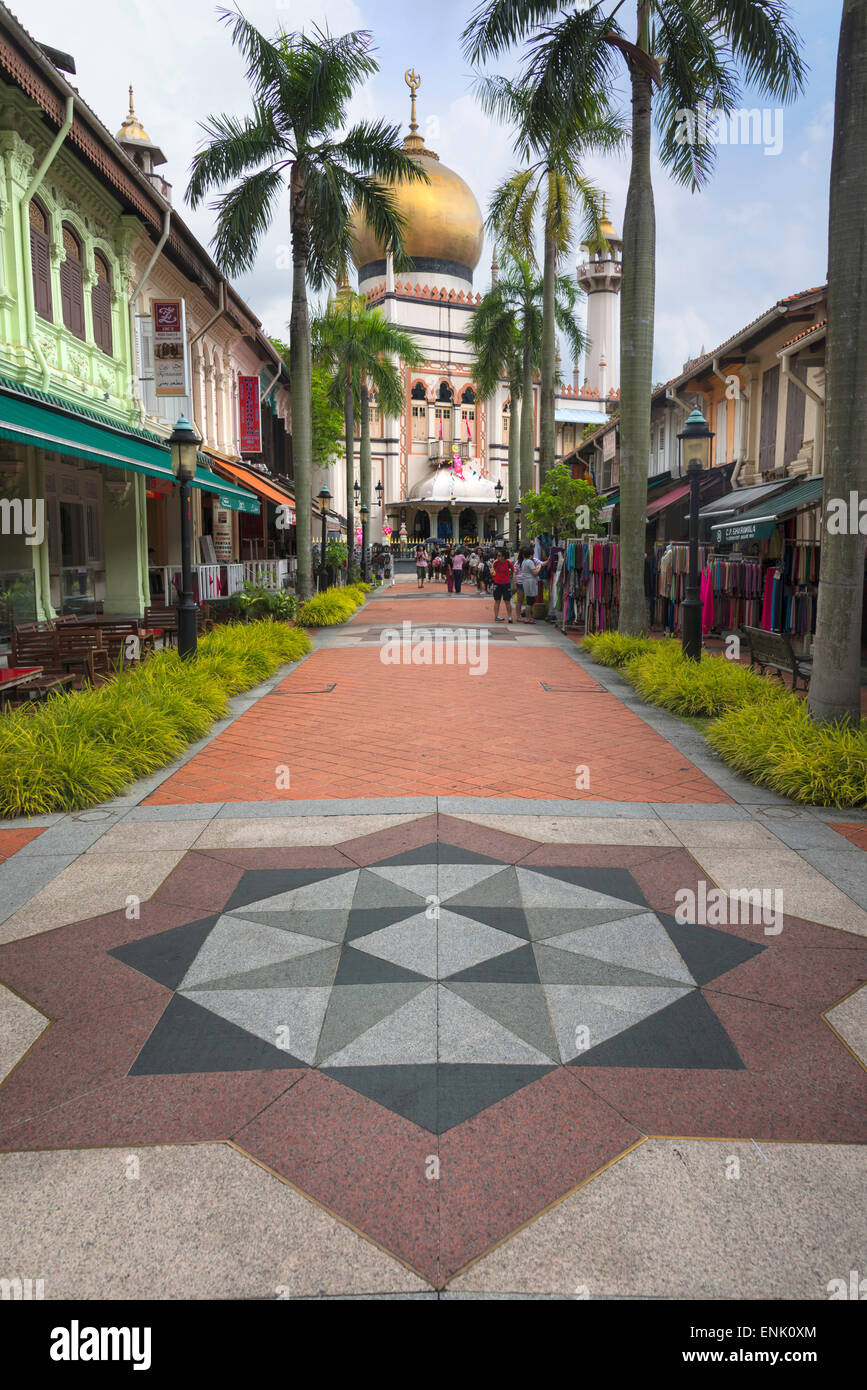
170 366
609 444
249 415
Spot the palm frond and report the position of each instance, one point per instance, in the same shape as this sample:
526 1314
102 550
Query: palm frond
234 146
764 43
244 215
497 24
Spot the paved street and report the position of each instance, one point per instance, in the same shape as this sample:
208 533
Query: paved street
388 988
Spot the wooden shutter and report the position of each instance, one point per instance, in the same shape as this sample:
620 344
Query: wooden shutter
796 403
101 306
40 261
768 433
71 285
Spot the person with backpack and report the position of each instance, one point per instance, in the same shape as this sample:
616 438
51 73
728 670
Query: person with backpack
421 565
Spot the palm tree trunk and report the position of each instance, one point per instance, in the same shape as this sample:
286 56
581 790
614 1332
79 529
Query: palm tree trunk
301 392
835 686
365 471
549 360
636 352
514 458
528 440
349 429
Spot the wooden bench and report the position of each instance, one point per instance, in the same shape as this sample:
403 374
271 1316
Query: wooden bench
774 651
163 621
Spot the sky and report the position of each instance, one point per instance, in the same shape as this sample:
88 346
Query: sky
756 233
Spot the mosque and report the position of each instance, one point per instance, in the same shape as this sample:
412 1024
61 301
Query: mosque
443 464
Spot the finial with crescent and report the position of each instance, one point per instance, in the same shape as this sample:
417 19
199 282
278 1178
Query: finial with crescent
412 80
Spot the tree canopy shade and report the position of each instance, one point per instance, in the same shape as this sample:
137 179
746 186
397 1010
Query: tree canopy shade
296 141
684 53
359 348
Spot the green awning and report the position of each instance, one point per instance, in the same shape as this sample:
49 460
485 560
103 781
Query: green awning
25 421
235 499
760 522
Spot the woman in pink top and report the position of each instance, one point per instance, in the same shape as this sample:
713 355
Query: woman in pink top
458 568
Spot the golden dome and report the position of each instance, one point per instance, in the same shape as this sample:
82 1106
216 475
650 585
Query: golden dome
132 128
443 219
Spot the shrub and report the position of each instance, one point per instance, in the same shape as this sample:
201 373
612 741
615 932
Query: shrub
255 601
82 747
777 745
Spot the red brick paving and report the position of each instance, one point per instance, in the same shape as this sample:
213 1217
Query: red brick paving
389 731
13 840
856 833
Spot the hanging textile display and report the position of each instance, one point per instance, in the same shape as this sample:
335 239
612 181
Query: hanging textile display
591 585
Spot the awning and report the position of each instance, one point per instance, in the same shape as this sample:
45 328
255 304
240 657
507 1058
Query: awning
261 486
46 422
760 522
612 499
568 415
659 504
234 499
742 498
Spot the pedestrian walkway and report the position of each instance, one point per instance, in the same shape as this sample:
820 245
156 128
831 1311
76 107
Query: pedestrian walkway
473 1007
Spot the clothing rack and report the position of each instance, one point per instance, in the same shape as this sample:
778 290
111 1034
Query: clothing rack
589 585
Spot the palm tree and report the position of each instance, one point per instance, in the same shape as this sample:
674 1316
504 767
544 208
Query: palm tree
360 348
688 51
495 338
518 296
835 684
554 185
301 86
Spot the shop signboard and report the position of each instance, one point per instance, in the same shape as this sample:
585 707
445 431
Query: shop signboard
249 415
169 347
746 531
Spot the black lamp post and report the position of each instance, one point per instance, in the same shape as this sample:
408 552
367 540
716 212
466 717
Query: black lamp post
695 440
516 510
499 491
323 497
378 490
364 513
184 443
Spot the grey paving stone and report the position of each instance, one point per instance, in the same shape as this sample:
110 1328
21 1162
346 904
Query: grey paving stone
235 946
603 1010
200 810
408 1037
845 868
22 878
348 806
522 1009
353 1009
470 1036
287 1018
411 943
514 806
462 943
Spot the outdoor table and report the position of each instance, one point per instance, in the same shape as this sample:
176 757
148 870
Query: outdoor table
39 687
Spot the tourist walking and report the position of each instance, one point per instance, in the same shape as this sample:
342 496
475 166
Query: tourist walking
529 581
458 569
448 572
421 565
502 571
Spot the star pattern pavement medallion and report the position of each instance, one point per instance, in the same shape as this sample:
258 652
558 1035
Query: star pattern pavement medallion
524 1012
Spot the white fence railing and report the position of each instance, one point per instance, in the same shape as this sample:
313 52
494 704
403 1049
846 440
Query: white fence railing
270 574
209 581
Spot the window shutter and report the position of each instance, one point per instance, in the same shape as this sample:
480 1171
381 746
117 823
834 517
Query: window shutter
40 262
101 307
72 286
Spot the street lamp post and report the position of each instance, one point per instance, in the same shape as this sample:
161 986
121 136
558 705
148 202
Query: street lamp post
499 491
695 440
378 490
323 497
184 443
365 562
516 512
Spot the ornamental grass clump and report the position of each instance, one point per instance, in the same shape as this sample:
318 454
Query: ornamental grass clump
695 689
615 648
328 608
777 745
81 748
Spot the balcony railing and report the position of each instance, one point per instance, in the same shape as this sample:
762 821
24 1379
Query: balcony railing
445 448
221 581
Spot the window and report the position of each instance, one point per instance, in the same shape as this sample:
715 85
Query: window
40 260
100 301
443 417
507 421
468 424
419 422
72 284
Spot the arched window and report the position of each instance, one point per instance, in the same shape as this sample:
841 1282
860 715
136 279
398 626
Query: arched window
445 392
100 303
419 392
40 260
468 396
507 421
72 284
